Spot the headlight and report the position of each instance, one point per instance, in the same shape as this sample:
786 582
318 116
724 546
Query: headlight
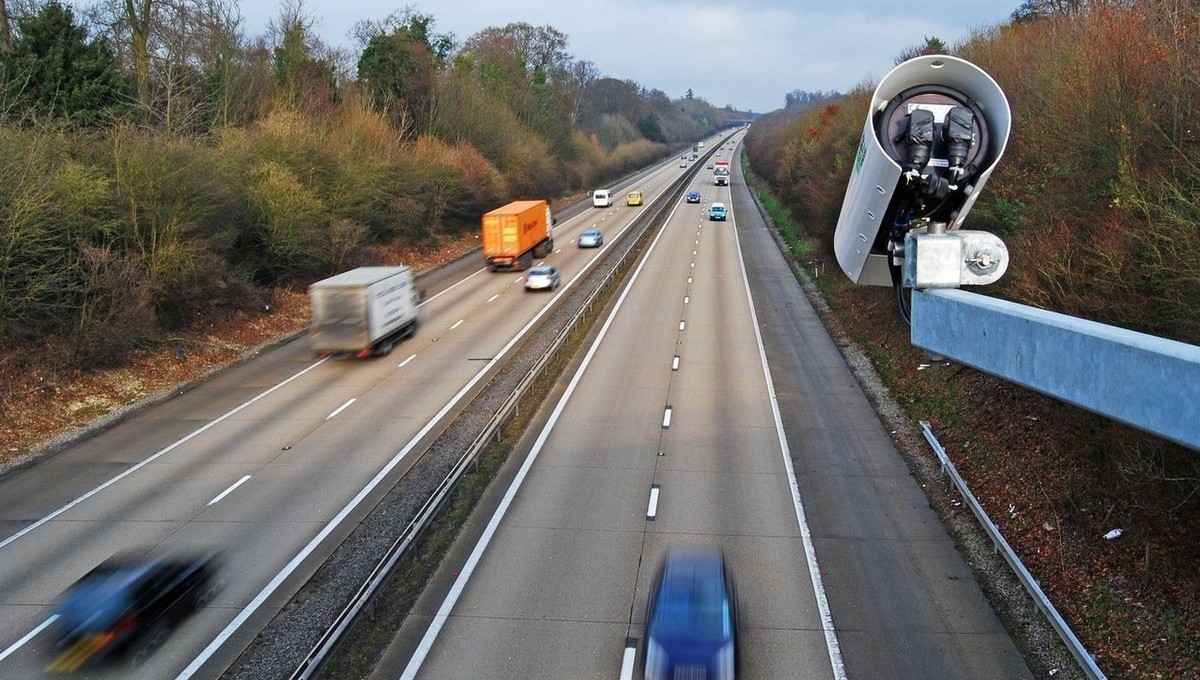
726 662
656 661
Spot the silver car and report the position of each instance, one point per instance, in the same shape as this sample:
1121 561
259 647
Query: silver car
541 278
591 238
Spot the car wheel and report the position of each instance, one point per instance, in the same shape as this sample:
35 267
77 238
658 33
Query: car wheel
146 645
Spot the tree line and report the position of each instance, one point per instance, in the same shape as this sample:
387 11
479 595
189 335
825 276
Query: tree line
161 166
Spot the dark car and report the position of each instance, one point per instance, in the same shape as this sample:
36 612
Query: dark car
129 605
691 617
693 197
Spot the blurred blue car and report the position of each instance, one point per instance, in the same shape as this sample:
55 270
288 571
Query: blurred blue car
693 197
130 604
591 238
691 617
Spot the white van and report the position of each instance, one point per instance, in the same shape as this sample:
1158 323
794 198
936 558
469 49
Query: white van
602 198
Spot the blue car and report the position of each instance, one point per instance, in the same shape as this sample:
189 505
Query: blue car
691 617
591 238
716 211
693 197
129 605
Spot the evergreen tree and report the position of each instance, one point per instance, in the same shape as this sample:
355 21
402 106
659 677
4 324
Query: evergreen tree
651 128
54 70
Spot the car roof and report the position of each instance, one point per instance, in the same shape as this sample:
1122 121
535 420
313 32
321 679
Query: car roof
587 232
719 205
692 599
543 269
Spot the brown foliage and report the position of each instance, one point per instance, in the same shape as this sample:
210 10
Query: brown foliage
1097 200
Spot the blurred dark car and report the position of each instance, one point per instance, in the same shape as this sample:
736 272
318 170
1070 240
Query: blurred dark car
693 197
691 617
129 605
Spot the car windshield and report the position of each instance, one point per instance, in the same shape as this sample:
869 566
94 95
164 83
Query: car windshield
539 271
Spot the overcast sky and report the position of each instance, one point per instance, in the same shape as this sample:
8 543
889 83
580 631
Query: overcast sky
747 53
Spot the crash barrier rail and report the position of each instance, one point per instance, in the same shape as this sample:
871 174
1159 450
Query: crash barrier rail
643 223
999 544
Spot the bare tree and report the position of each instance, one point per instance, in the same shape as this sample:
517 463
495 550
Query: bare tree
580 77
139 17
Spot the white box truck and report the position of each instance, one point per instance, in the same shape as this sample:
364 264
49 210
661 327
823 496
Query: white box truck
364 311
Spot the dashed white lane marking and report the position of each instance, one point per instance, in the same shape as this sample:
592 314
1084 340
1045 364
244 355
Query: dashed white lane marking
492 299
339 409
457 324
405 362
667 417
627 661
156 456
28 636
675 363
221 496
682 325
686 299
652 508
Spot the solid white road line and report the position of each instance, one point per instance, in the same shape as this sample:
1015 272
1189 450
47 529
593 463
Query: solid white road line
219 497
151 459
339 409
831 640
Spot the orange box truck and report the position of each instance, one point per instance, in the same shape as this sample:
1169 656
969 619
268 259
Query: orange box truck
513 235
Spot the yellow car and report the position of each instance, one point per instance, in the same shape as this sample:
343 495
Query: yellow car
634 198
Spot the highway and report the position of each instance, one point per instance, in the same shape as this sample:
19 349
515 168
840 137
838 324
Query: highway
711 407
270 462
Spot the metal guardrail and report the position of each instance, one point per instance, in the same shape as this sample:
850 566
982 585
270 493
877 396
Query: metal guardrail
332 636
1086 662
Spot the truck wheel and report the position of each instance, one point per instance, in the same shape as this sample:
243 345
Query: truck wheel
526 261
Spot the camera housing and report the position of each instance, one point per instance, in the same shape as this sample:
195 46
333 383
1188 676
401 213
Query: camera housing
936 128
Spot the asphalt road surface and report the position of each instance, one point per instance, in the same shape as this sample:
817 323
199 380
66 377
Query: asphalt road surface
712 408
